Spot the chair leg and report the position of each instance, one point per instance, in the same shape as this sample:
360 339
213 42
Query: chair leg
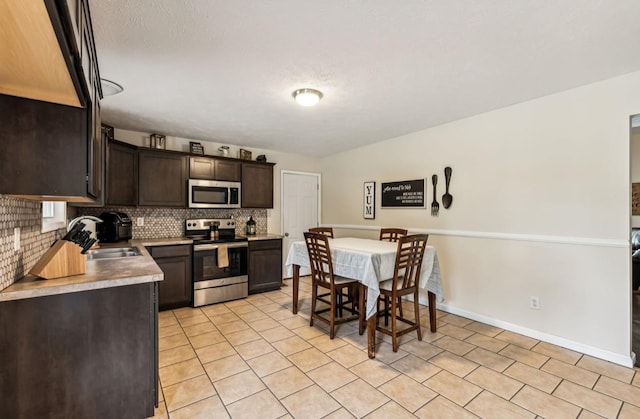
416 308
386 311
400 306
314 294
332 318
394 330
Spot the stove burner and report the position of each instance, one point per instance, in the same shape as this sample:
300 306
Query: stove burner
198 230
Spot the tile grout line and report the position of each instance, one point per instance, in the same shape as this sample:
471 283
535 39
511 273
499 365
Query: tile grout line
354 344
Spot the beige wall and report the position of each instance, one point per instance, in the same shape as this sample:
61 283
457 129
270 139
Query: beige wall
284 161
541 207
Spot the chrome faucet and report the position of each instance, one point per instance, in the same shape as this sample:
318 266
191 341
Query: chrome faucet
82 217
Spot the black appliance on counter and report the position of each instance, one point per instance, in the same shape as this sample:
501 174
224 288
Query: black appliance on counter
219 260
115 227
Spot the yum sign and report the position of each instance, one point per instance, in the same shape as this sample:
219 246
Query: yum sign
369 191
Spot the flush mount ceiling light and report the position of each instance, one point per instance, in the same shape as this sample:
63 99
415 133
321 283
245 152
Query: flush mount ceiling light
110 88
307 97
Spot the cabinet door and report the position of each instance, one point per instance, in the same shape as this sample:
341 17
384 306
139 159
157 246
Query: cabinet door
43 148
96 148
201 168
265 265
162 179
99 361
176 289
214 169
228 170
257 185
75 13
122 174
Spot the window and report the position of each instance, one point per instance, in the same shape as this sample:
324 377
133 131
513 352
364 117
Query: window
54 215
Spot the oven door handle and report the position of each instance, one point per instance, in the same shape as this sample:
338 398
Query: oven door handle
200 247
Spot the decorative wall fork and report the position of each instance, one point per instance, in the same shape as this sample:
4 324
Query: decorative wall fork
435 207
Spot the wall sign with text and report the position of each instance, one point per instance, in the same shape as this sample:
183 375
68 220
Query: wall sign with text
404 194
369 202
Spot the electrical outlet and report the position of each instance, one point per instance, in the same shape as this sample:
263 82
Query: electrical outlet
535 303
16 238
140 221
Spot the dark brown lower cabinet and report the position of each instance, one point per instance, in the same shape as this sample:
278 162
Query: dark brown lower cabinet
89 354
175 261
265 265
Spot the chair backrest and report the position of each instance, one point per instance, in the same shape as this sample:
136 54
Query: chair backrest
392 234
327 231
409 258
319 256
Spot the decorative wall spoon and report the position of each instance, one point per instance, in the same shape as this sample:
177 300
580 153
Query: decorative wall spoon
447 198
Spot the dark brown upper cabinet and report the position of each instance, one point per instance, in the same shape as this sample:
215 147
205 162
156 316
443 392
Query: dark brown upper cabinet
214 169
51 147
122 174
257 185
162 179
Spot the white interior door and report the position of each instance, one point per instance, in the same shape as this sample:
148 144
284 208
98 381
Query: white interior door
300 208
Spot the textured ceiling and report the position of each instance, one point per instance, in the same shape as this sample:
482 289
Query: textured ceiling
224 70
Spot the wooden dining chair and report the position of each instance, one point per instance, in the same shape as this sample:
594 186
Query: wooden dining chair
322 276
405 281
327 231
392 234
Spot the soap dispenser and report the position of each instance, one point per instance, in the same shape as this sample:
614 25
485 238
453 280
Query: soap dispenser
251 227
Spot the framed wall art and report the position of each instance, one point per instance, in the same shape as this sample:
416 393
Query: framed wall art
403 194
244 154
369 201
635 199
196 148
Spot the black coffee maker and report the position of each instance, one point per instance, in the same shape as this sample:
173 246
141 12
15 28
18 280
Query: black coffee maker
115 227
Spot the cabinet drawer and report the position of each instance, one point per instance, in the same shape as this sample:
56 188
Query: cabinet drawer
265 244
170 251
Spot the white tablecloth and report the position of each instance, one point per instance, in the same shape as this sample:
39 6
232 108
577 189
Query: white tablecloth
370 262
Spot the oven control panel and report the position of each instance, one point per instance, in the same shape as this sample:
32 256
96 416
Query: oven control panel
205 223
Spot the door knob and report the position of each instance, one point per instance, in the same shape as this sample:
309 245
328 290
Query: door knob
286 234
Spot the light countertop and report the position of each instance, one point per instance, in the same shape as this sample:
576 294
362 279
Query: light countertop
267 236
100 273
169 241
105 273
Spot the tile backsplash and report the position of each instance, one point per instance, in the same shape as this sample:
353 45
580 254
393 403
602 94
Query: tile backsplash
158 223
169 222
26 215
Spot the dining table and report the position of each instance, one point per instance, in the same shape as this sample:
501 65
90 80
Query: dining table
370 262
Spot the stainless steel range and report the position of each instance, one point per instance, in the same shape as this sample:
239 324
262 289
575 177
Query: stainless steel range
219 260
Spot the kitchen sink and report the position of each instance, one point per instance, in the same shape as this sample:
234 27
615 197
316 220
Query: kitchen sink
113 252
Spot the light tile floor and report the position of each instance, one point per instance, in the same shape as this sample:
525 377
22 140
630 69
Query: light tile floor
253 358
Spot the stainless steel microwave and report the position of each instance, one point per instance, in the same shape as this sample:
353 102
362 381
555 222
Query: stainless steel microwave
213 194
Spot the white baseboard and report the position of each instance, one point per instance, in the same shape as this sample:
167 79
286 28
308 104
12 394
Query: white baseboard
624 360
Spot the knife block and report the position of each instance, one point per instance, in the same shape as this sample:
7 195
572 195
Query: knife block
60 260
